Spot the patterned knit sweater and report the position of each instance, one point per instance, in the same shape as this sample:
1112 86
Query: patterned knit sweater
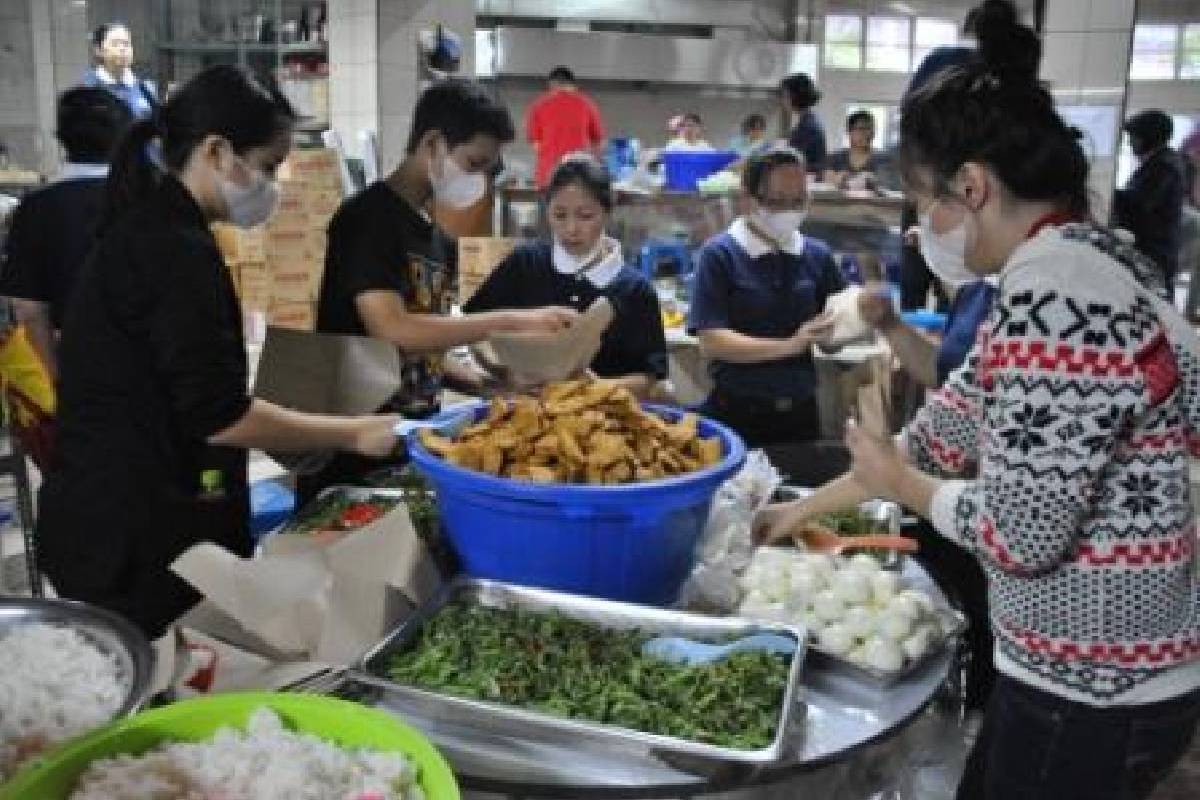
1077 408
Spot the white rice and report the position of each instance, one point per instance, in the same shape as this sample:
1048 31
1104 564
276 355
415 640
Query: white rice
266 762
54 685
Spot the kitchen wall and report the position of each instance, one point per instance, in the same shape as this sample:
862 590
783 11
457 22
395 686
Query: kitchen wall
18 97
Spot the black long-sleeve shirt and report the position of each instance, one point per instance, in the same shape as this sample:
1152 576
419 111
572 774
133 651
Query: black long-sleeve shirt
1151 208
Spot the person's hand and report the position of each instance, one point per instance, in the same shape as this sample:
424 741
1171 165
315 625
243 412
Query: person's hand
815 331
375 435
550 319
912 236
877 465
778 521
875 305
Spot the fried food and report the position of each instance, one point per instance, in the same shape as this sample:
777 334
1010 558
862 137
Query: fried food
579 431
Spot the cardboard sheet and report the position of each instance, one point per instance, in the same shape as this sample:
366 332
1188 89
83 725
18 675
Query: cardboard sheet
541 358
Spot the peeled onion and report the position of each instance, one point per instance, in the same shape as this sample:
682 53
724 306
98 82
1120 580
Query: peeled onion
904 606
828 606
852 586
884 586
920 599
918 643
894 626
882 654
860 620
858 655
821 563
836 638
804 581
862 562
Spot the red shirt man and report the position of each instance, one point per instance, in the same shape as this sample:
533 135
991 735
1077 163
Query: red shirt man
562 121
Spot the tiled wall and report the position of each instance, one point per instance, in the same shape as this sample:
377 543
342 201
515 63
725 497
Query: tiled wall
353 69
18 99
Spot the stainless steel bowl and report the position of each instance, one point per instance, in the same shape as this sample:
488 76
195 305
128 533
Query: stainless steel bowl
109 632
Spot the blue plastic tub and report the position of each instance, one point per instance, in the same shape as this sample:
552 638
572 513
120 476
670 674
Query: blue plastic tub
932 321
684 168
635 543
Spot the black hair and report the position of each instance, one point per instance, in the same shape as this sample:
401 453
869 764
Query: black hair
1154 127
90 122
754 122
994 110
461 110
759 168
583 170
692 116
225 101
561 74
800 90
862 115
102 31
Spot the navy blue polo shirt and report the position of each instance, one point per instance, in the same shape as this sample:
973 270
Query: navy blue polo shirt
634 342
768 297
972 305
809 138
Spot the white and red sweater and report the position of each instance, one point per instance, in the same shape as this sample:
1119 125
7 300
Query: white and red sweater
1076 407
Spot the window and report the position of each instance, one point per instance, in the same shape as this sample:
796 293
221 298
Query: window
888 44
931 34
1189 54
1154 49
843 41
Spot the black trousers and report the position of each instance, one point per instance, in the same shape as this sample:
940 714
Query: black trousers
765 421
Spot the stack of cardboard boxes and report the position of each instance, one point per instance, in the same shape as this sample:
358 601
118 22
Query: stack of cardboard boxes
477 258
278 267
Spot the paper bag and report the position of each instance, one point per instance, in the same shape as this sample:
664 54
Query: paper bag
544 357
872 410
327 602
849 327
324 374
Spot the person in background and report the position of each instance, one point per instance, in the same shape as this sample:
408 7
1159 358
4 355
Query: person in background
752 141
54 227
154 416
1059 471
1151 204
800 96
580 265
564 120
757 303
689 134
112 49
859 167
391 272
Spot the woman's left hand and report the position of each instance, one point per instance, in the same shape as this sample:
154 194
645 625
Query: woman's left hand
375 436
877 465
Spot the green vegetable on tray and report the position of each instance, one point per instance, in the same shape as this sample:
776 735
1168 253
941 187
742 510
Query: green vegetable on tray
856 523
554 664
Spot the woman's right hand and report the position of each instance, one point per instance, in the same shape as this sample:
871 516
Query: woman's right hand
875 305
778 521
375 436
550 319
817 330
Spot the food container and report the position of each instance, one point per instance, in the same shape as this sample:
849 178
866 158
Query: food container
111 634
372 669
634 543
338 721
686 168
885 517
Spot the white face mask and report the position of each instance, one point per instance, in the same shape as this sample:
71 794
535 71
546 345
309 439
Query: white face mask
946 253
249 205
781 225
455 187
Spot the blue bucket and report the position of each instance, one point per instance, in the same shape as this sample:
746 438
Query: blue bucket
684 168
635 543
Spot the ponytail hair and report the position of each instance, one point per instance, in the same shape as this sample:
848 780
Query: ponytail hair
223 101
994 110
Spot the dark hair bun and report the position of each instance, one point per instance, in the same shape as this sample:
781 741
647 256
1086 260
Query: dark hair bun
1006 46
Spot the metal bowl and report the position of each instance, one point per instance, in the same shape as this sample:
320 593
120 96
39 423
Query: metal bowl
112 634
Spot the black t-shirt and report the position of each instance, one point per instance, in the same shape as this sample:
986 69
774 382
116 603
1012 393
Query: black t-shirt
377 241
152 363
634 342
51 234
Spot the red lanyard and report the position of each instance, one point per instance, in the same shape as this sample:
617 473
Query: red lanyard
1053 218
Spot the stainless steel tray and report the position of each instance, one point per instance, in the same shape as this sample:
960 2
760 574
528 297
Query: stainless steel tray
885 515
953 622
372 669
111 634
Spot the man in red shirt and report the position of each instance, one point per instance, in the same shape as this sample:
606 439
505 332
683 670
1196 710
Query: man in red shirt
562 121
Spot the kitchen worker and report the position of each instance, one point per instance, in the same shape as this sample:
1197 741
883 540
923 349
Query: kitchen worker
54 227
562 121
154 416
753 139
581 264
391 272
800 95
112 50
760 288
689 134
1057 454
860 166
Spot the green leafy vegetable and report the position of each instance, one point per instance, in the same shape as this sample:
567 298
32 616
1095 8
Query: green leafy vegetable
554 664
856 523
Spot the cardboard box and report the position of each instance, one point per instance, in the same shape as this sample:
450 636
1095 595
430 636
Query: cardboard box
240 244
477 257
314 167
322 204
292 244
294 316
295 281
254 285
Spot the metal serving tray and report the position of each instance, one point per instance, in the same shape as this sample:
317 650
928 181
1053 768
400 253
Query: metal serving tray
372 669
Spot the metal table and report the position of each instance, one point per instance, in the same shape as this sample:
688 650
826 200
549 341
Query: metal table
843 716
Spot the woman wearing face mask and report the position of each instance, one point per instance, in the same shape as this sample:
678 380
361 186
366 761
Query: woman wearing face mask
756 308
154 418
391 272
1076 409
581 265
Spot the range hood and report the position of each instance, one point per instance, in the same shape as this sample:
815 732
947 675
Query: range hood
597 55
